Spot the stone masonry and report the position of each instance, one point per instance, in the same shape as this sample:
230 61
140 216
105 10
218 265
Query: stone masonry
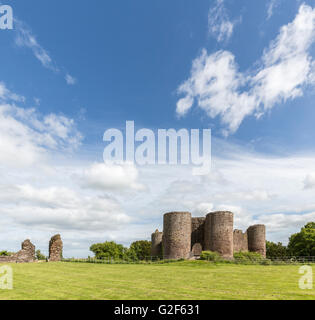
156 244
177 235
55 248
197 231
240 241
219 233
257 239
26 254
185 237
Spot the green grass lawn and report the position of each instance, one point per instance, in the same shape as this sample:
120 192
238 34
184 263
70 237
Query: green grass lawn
180 280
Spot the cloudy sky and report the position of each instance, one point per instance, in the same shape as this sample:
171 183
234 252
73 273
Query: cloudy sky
71 70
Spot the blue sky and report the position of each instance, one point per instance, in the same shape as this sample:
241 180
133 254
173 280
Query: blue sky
70 70
129 60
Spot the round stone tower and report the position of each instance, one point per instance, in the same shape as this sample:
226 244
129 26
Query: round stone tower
257 239
156 244
219 233
177 235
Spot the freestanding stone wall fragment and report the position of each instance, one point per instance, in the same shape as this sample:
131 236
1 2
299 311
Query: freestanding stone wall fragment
240 241
156 244
219 233
197 231
26 254
257 239
177 235
55 248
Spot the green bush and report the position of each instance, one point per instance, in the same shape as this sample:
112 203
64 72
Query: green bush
210 256
4 254
266 262
281 262
276 250
140 249
108 250
303 243
168 261
247 257
39 255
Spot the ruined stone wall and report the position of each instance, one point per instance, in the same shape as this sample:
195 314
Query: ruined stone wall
177 235
219 233
26 254
257 239
156 244
240 241
10 259
55 248
197 231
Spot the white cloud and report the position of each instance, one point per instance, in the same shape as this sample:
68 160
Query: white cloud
25 38
184 104
215 83
19 145
70 80
26 136
6 94
63 128
203 208
101 176
271 5
37 101
255 195
285 69
309 181
60 208
280 222
219 24
287 62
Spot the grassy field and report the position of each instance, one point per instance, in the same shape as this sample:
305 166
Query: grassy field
180 280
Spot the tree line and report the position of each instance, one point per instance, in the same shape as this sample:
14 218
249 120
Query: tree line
301 244
138 250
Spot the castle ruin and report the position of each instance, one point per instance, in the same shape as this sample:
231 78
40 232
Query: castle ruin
27 252
55 248
185 237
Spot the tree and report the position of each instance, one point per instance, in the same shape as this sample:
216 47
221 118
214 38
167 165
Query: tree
39 255
4 254
141 249
303 243
108 249
276 250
